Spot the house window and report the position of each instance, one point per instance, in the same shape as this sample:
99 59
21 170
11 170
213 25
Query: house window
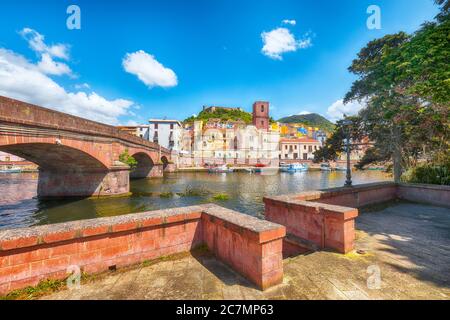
171 126
305 156
262 108
304 147
156 126
285 155
262 123
295 155
309 148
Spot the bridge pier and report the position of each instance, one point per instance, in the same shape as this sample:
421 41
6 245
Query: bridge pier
153 171
84 183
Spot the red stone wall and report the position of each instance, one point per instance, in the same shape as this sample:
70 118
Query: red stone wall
254 254
321 225
326 218
432 194
30 255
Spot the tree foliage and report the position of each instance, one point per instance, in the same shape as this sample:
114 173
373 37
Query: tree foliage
222 114
335 144
126 158
404 81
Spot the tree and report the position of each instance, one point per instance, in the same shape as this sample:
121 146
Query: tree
335 145
405 82
126 158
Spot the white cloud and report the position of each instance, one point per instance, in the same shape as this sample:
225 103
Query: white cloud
47 53
131 123
291 22
337 110
22 80
281 40
149 70
304 112
49 66
82 86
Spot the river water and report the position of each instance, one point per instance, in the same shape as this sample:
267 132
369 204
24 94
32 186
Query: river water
19 206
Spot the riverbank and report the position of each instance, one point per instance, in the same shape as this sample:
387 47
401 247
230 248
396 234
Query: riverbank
239 191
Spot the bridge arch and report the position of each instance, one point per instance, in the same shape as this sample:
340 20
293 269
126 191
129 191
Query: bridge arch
54 157
65 171
145 165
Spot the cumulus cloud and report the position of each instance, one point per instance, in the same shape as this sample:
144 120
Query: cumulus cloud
304 112
151 72
281 40
337 110
291 22
82 86
47 53
24 80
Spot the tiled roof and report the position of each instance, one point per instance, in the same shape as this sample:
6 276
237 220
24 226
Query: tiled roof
300 140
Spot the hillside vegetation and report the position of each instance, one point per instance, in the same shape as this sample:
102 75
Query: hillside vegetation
311 120
223 115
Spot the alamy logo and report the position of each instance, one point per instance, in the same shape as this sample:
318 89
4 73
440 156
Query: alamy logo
374 20
374 278
73 22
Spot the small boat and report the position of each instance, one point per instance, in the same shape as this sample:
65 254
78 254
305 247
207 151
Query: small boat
294 167
11 170
325 167
220 169
341 169
265 170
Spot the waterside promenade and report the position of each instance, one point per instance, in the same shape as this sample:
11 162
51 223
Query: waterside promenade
409 243
394 240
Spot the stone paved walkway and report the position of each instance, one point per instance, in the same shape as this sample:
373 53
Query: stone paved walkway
408 243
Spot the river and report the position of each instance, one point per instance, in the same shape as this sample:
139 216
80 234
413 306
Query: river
19 206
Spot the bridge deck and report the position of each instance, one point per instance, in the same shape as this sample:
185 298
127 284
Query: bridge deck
25 114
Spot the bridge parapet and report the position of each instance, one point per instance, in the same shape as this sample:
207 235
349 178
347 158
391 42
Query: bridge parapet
18 112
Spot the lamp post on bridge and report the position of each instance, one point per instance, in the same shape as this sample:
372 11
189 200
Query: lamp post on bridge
348 181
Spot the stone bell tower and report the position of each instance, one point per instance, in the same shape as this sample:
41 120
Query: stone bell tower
261 115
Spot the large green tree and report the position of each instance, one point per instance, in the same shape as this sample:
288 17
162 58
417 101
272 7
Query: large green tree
404 80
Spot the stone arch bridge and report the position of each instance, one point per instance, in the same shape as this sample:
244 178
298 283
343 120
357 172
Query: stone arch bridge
76 157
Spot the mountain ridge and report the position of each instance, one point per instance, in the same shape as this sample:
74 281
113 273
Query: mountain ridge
311 120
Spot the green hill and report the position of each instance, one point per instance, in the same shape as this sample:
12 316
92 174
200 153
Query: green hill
223 114
311 120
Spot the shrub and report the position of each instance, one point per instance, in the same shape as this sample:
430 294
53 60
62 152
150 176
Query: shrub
221 197
428 173
126 158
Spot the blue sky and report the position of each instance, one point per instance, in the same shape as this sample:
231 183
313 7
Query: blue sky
135 60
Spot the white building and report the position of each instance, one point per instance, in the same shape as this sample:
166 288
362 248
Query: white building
167 133
298 149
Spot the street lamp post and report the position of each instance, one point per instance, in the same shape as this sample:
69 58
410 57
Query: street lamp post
348 181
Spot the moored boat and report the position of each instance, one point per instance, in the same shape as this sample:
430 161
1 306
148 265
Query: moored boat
11 170
293 167
325 167
220 169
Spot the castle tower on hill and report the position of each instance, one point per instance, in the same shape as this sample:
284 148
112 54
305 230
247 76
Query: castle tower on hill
261 115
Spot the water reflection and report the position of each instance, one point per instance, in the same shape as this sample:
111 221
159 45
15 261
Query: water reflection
19 207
